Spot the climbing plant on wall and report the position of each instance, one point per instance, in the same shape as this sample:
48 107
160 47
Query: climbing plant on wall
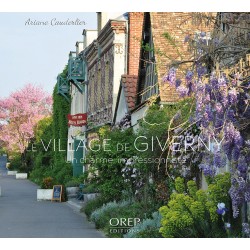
55 135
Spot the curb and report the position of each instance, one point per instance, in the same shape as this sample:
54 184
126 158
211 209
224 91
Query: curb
75 205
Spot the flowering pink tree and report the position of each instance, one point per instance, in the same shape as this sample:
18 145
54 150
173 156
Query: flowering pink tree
19 114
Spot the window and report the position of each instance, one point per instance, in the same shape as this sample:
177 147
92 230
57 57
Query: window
148 74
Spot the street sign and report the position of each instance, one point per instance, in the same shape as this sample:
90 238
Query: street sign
57 193
77 120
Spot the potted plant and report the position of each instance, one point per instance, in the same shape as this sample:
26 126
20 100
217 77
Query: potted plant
46 190
72 187
90 192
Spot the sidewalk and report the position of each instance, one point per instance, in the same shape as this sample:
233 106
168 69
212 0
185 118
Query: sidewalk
76 204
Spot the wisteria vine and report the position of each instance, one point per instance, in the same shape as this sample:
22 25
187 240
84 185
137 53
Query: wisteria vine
222 112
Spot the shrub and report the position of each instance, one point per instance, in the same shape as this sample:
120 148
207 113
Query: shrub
148 228
47 183
110 181
98 213
91 188
194 213
62 172
92 205
83 177
15 162
73 183
122 209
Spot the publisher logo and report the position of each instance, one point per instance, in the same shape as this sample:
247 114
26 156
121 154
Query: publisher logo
123 225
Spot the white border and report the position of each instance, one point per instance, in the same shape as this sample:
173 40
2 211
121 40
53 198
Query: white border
114 6
124 244
122 5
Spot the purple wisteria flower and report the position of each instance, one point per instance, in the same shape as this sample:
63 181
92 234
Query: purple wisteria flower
246 229
208 110
232 134
232 95
231 115
242 166
218 123
207 98
207 169
201 70
177 83
182 90
236 153
189 75
219 162
247 195
218 107
170 77
187 38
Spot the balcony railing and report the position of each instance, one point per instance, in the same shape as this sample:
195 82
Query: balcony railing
76 71
63 87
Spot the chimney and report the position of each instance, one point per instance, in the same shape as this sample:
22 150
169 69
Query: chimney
88 37
79 47
135 24
104 17
101 20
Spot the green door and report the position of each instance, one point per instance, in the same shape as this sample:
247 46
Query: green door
78 155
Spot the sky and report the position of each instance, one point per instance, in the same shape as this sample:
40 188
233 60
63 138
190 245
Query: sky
37 53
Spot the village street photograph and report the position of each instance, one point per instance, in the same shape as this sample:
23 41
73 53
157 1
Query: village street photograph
125 124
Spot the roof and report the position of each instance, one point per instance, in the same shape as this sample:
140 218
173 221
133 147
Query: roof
129 84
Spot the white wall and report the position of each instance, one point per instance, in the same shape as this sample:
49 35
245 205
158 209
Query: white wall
136 116
88 37
122 107
77 106
78 100
119 65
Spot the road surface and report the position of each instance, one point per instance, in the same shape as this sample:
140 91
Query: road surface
22 216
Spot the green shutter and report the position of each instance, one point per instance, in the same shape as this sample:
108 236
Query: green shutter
78 155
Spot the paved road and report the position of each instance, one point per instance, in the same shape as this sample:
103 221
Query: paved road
21 215
3 170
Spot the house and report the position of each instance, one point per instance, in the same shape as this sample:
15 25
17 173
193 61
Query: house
160 41
106 60
127 94
77 78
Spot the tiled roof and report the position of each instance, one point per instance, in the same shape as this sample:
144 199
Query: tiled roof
129 84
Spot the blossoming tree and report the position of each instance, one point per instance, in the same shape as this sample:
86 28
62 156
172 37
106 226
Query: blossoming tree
19 114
